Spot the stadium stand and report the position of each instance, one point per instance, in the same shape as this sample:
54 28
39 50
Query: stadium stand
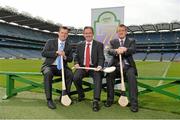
153 56
139 56
177 57
23 36
168 56
20 33
156 41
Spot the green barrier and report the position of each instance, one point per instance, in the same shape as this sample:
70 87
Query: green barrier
11 90
172 81
11 77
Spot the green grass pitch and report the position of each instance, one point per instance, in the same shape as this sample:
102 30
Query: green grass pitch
32 104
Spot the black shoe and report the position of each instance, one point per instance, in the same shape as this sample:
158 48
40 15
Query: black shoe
134 108
81 98
128 105
51 105
108 103
95 106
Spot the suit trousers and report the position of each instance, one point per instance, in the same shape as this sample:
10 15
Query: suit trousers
49 73
129 74
97 81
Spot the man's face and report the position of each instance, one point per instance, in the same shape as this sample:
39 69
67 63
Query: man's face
88 35
63 34
121 31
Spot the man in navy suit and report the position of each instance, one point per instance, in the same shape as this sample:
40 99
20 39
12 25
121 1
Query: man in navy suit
126 47
89 54
52 51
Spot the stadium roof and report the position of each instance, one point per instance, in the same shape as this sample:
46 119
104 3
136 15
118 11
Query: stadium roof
154 27
12 16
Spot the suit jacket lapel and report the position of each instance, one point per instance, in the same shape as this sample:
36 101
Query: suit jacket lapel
65 46
55 45
83 50
126 42
117 43
93 50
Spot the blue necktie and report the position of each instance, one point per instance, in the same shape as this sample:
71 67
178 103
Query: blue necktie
60 48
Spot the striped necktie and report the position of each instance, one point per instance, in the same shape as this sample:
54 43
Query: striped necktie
121 43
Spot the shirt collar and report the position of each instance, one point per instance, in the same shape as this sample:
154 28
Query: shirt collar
122 39
60 41
89 42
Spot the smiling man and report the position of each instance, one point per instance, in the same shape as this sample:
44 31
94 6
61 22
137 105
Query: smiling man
51 67
89 54
126 47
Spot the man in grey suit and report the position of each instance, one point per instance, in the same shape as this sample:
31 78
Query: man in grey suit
89 54
52 51
126 47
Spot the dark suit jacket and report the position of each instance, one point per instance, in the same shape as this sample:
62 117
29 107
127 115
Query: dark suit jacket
97 54
49 52
131 49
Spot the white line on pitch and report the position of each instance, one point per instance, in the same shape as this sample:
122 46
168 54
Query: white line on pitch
164 74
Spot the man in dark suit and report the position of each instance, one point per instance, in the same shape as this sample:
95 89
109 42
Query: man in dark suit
126 47
89 54
52 51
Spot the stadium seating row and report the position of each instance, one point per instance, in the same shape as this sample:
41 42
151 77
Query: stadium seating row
17 31
16 42
170 36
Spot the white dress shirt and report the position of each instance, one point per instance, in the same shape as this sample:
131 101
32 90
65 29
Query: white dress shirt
59 43
122 40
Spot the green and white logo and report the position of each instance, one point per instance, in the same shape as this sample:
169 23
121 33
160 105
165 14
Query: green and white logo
105 27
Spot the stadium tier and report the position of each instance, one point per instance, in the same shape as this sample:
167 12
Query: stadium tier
20 32
23 36
177 57
19 42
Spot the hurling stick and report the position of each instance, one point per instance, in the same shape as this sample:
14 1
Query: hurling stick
65 100
106 70
123 100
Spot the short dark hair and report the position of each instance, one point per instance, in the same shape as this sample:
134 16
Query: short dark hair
122 25
88 27
63 27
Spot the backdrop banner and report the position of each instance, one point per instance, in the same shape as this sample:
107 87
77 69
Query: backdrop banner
105 21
